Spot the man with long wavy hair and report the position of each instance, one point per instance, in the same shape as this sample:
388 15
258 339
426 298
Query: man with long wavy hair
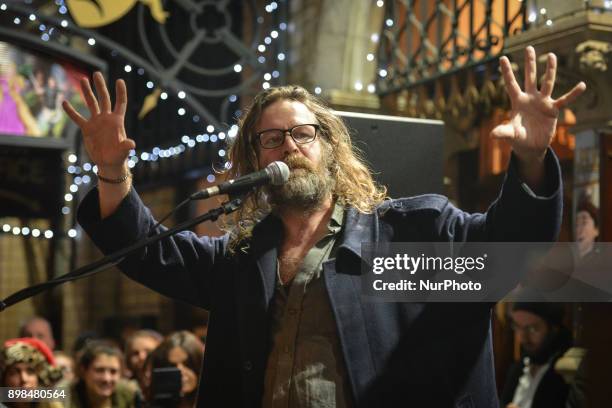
289 327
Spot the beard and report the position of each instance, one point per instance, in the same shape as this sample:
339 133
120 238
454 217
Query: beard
554 343
308 185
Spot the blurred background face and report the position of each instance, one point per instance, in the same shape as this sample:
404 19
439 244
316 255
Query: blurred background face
531 330
21 375
41 330
67 366
140 348
102 375
586 231
189 378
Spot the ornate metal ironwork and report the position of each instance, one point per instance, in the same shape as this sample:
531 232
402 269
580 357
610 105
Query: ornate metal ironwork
422 40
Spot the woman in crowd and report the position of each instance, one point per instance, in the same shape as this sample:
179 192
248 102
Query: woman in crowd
99 370
28 363
137 348
65 363
184 351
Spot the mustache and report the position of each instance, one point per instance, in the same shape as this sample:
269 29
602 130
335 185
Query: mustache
296 161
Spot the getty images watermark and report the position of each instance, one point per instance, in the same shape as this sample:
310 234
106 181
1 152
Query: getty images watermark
420 264
477 272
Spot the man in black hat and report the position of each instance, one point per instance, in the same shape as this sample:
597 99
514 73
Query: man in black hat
532 382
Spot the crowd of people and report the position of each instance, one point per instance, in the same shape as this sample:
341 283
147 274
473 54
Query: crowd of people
147 370
150 370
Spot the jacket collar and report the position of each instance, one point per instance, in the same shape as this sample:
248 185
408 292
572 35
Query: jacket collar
358 228
267 235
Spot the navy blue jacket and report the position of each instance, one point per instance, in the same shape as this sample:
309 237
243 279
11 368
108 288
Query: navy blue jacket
397 354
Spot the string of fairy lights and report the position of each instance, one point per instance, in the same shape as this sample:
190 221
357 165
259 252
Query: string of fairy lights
83 173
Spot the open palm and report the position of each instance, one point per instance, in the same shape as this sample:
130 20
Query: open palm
534 112
104 133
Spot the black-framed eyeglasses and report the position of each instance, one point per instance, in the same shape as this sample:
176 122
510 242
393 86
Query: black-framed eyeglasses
301 134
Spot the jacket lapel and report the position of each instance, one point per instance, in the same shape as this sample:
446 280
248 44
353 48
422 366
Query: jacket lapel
267 264
343 283
255 282
266 239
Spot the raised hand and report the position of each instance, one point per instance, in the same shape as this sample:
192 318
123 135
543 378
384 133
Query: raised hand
105 140
534 112
104 134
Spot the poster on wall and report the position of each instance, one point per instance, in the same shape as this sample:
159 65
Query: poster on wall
32 88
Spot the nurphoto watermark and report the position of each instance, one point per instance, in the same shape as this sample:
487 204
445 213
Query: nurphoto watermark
485 272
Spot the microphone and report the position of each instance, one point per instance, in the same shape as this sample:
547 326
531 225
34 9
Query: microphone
276 173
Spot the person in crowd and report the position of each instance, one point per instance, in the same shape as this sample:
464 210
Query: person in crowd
65 362
184 351
82 340
39 328
28 363
99 379
532 381
587 228
288 323
138 347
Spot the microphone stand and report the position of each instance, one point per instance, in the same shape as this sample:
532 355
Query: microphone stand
118 256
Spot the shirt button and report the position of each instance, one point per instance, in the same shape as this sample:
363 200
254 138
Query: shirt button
248 366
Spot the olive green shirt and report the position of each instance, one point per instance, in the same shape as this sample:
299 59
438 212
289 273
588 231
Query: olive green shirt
305 367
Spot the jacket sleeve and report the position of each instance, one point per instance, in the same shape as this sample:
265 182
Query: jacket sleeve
181 267
517 215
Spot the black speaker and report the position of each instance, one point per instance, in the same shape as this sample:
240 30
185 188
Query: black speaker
32 176
405 154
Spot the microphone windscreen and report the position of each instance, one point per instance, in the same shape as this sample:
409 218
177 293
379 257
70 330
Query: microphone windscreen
279 172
